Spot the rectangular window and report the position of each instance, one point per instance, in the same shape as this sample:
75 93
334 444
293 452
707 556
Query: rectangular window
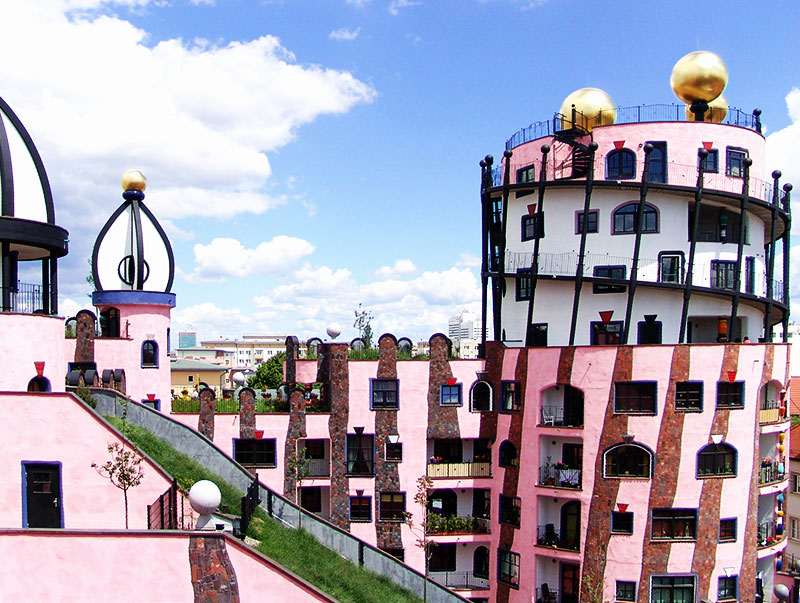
533 226
727 530
670 267
615 272
794 528
450 395
730 395
710 163
508 567
591 221
727 588
360 508
625 591
254 452
649 331
384 393
510 510
750 275
510 398
635 397
689 395
523 284
311 498
393 506
443 557
609 333
723 274
621 523
735 162
672 589
360 454
796 483
394 452
526 174
537 335
674 524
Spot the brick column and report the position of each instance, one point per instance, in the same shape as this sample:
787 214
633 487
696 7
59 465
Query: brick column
84 336
295 431
442 420
205 420
247 414
213 576
334 374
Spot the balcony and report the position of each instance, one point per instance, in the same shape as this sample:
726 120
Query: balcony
439 525
554 416
545 594
769 411
467 580
566 264
558 475
319 468
26 298
442 470
548 536
768 534
770 473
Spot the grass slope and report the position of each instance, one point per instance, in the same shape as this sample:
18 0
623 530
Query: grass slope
293 549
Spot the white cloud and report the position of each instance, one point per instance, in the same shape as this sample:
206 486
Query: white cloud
358 3
782 145
400 267
467 260
344 34
224 258
211 321
396 5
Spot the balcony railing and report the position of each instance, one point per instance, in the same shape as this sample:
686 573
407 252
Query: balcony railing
319 467
551 474
769 473
767 534
451 470
554 415
26 298
547 595
461 580
548 536
566 264
439 524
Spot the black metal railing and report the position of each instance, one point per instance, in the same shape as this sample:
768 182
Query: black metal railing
319 467
453 524
545 594
249 503
461 580
559 475
767 534
229 406
769 473
554 415
25 298
791 563
548 536
624 115
465 469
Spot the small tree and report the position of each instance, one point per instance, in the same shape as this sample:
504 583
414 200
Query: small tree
424 487
124 470
269 373
298 468
363 323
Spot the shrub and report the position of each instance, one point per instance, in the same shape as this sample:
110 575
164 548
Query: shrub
85 394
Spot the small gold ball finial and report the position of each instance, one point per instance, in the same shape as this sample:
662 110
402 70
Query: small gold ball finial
699 76
134 180
594 106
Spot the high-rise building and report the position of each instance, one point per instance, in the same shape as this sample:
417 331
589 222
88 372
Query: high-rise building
187 339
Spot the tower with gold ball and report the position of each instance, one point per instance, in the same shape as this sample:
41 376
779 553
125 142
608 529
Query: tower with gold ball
636 268
133 268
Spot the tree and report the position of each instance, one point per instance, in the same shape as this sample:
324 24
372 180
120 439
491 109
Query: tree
298 468
424 487
124 470
268 374
363 323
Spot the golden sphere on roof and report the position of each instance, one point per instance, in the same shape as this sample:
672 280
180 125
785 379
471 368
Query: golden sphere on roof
594 107
717 110
699 76
134 180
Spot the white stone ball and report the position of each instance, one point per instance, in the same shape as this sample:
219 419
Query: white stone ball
238 378
333 330
204 496
782 592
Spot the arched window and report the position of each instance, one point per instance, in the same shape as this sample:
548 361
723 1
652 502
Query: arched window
109 322
716 460
621 165
149 354
39 384
624 219
480 397
628 460
508 454
480 562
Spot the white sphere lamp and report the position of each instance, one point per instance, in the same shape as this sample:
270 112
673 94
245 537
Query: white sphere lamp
204 496
333 330
238 378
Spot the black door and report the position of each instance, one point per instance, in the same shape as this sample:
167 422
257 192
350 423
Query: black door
570 584
657 164
43 494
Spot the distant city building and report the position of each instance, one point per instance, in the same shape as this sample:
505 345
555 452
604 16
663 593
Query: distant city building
251 350
213 355
465 332
187 339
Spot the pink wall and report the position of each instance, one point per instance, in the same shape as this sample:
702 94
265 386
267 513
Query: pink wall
57 428
27 338
130 567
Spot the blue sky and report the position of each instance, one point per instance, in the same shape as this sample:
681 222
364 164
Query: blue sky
309 156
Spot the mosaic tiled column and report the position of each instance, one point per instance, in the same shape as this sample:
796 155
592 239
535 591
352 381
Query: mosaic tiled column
247 414
205 420
213 576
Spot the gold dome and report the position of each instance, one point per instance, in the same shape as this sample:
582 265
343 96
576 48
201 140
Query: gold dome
717 110
134 180
699 76
595 105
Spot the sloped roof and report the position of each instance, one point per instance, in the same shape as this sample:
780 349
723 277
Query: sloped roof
186 364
